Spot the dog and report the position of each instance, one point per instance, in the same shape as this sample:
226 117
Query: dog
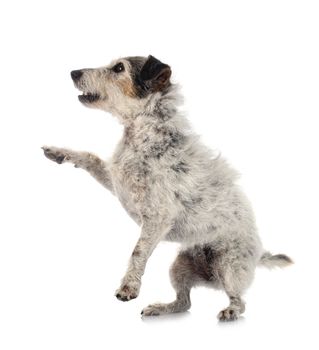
172 185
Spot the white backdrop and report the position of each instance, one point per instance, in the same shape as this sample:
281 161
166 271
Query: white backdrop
250 76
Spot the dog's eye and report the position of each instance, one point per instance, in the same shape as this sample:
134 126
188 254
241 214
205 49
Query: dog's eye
118 68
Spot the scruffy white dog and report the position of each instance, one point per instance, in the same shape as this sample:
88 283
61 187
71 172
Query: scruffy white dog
171 185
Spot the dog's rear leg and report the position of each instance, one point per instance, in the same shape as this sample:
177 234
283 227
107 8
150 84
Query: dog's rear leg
183 277
234 282
84 160
234 310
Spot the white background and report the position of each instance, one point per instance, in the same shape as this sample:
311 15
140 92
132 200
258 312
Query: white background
250 76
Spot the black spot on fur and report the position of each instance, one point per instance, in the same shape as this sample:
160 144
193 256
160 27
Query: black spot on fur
145 168
169 141
209 253
180 167
177 196
176 138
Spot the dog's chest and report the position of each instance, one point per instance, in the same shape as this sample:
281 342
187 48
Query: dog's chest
131 176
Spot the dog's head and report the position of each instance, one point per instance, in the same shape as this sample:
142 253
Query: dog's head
124 85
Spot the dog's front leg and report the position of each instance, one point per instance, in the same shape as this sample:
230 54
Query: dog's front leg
84 160
152 233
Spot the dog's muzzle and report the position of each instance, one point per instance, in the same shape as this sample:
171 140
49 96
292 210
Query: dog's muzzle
87 96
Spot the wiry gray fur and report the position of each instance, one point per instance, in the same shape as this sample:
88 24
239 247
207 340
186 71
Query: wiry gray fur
172 186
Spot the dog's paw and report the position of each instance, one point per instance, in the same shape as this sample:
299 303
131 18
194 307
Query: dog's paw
153 310
127 292
228 314
55 154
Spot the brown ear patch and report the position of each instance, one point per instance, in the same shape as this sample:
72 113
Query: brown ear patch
126 85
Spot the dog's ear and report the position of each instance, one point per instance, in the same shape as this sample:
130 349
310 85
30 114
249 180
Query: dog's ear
155 75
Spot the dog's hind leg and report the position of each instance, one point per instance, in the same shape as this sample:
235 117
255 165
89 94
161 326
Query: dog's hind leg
234 310
236 274
84 160
189 269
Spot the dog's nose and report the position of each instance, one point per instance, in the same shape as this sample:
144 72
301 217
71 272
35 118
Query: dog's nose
76 74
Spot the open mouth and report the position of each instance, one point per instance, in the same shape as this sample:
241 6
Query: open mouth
89 97
86 96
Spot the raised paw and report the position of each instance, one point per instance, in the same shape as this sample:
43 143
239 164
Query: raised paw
228 314
55 154
127 292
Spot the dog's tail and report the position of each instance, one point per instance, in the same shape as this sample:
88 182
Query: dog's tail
270 261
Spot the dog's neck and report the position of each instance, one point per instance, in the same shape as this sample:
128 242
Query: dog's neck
156 107
159 121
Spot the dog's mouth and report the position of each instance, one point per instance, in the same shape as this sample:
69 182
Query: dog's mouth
89 97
